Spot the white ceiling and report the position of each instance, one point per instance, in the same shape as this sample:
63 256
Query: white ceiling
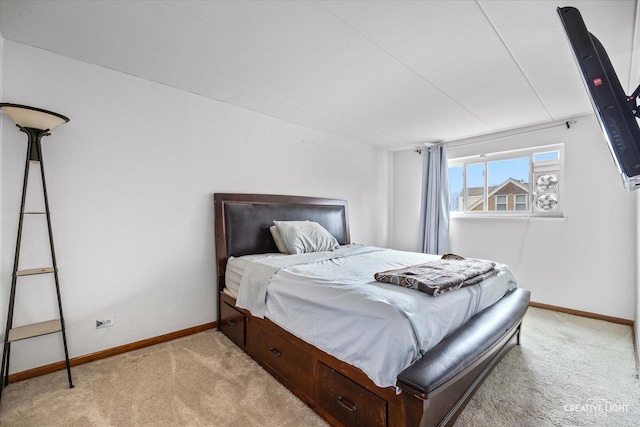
389 73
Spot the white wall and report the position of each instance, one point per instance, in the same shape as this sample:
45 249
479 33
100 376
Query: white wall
1 169
131 180
407 192
585 261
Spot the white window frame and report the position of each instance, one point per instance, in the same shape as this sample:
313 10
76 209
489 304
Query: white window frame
506 202
537 168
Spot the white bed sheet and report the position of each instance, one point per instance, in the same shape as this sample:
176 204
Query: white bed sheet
235 269
332 301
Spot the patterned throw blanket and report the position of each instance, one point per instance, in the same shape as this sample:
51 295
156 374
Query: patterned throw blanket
448 274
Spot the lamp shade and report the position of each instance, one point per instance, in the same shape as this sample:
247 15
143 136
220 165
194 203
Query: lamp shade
31 117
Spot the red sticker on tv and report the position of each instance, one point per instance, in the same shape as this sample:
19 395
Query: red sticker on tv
597 81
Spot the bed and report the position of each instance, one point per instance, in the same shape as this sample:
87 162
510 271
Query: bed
429 387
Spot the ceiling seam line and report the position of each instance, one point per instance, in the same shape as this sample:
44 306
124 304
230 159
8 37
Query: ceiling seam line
420 76
531 86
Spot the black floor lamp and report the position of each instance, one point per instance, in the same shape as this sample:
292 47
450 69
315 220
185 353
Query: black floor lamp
36 123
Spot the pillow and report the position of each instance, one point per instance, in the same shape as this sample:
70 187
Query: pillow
305 236
278 239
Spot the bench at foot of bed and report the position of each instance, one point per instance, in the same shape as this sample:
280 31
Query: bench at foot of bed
447 376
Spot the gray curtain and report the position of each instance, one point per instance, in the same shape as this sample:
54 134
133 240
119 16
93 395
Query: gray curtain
434 212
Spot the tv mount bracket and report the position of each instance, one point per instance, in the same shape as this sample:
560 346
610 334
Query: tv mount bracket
632 100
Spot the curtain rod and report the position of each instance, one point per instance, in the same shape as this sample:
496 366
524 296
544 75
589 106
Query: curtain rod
566 123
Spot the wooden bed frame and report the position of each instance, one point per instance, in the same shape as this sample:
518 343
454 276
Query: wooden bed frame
435 389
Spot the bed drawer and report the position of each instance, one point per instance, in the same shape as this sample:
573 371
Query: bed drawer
348 402
290 362
232 323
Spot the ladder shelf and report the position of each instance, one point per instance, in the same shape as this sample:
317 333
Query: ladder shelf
13 334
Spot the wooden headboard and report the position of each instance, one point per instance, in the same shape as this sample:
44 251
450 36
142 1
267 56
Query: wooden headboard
242 222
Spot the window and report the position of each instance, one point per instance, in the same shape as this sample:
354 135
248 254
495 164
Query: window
521 182
521 202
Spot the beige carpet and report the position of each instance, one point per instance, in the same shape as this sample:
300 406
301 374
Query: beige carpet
200 380
569 371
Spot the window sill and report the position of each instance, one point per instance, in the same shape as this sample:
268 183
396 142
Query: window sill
507 217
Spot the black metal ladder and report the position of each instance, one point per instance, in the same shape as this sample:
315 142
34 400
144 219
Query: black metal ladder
34 155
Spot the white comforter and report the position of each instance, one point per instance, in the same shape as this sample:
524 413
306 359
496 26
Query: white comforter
331 300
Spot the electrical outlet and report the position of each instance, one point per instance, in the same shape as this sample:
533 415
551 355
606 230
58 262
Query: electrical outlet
103 323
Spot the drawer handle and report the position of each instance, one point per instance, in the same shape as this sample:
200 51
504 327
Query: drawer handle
275 352
347 404
231 322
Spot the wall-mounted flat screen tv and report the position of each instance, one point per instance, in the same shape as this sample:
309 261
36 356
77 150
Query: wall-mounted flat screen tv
615 110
